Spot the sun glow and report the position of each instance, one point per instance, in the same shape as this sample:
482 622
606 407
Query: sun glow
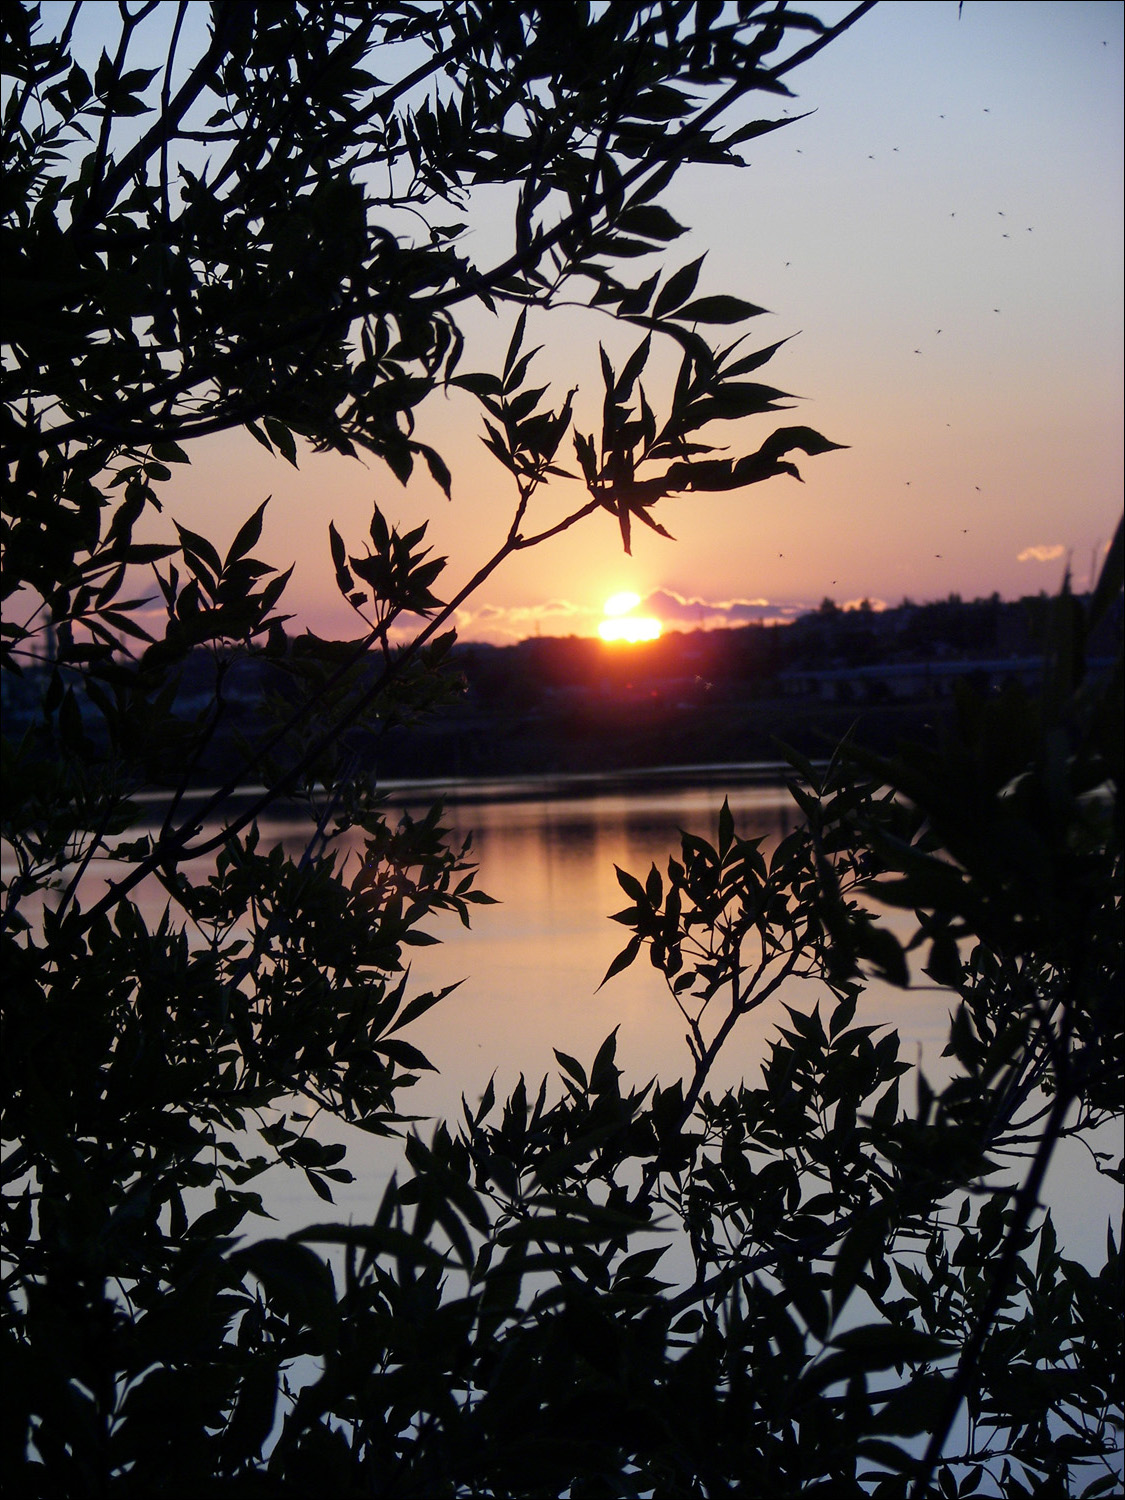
620 624
631 630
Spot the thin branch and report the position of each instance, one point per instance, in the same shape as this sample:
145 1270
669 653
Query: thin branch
15 115
588 509
822 41
471 285
165 106
108 116
229 15
177 846
967 1371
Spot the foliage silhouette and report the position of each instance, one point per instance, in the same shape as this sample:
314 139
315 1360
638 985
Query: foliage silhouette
180 265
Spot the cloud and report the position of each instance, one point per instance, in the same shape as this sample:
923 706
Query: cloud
703 614
552 609
502 625
1041 553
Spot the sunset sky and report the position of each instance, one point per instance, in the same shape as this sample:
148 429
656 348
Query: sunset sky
944 234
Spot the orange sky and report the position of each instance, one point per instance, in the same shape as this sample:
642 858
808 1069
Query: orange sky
944 233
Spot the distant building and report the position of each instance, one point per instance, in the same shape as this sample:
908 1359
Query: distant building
912 681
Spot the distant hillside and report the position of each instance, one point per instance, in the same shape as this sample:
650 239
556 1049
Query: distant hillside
573 704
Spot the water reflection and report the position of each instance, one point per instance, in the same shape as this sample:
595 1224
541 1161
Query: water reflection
532 965
530 968
535 962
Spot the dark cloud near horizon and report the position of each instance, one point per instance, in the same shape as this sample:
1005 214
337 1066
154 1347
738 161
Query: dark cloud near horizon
709 614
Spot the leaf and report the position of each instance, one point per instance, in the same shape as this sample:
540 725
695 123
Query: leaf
319 1186
103 75
881 948
422 1003
631 885
660 102
633 367
198 549
604 1073
572 1066
726 828
888 1454
252 1418
652 221
916 1407
944 966
439 469
640 1264
479 384
678 288
752 362
404 1053
691 1322
883 1344
756 128
344 581
785 439
169 453
136 80
1110 578
623 960
247 536
718 309
842 1015
866 1238
282 439
294 1276
258 435
126 625
514 346
607 374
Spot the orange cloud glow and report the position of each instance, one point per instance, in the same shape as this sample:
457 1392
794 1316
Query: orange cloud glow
1041 553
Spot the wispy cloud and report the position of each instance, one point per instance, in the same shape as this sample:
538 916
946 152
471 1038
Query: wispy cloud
1042 552
504 624
710 614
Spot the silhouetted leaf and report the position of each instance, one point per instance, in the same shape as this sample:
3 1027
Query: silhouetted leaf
721 309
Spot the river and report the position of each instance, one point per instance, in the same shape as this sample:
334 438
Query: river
531 967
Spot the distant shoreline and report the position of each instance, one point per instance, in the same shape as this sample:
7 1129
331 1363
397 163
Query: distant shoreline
453 791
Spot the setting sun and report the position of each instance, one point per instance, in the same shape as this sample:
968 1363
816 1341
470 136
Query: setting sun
621 625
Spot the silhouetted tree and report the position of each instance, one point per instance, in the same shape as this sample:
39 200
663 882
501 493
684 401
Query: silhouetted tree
264 231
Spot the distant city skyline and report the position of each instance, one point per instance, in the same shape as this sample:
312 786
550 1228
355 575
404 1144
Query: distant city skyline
943 233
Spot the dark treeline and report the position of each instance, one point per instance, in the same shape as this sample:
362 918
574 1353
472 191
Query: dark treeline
698 697
553 705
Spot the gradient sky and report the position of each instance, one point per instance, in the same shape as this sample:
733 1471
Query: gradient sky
945 235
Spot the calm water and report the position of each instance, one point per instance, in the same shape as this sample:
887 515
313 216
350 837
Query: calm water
531 967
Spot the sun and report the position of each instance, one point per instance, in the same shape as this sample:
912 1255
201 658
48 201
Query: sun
620 624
